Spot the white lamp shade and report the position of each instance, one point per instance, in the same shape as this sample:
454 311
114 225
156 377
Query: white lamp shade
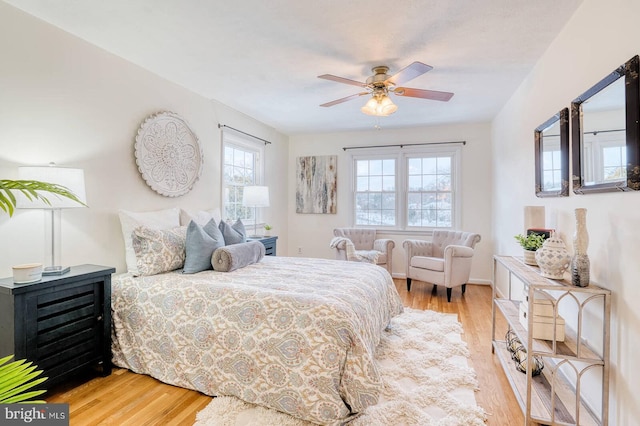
72 179
256 196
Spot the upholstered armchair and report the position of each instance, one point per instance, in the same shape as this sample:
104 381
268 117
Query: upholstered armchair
445 260
365 242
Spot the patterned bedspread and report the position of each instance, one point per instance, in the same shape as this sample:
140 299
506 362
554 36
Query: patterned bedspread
297 335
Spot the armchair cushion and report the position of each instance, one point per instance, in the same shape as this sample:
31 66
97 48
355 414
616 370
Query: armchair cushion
432 263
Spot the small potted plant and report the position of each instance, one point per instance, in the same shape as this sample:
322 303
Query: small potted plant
530 243
267 230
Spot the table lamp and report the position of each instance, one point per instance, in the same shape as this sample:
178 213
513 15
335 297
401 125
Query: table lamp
255 196
73 180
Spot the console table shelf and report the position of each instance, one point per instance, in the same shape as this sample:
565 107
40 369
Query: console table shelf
554 397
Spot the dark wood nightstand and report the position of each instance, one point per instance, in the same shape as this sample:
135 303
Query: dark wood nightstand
269 244
61 323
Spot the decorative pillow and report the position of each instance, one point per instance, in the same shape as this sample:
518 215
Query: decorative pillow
201 217
233 234
159 250
230 258
202 241
160 219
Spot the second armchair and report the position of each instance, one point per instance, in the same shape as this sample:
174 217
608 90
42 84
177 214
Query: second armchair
365 240
445 260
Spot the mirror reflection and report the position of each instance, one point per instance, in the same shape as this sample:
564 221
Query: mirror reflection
604 136
552 156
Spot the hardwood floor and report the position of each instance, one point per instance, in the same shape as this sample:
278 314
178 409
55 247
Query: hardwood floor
126 398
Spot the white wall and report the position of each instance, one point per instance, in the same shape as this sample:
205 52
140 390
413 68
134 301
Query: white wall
313 232
597 39
67 101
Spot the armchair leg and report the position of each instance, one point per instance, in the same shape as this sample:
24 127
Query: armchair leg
449 294
408 284
464 288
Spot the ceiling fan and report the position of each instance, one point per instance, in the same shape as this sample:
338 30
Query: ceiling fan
380 84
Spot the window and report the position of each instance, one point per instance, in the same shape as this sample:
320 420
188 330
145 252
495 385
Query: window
429 191
407 188
242 165
376 192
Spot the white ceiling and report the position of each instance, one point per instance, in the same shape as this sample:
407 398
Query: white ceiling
262 57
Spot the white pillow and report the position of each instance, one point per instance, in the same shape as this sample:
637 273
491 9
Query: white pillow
160 219
201 217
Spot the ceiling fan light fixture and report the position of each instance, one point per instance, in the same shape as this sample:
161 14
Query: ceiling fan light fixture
379 105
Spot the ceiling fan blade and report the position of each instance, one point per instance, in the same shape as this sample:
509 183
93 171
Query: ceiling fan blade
409 72
342 80
424 94
341 100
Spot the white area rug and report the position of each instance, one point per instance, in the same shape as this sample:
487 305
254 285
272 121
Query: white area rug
427 380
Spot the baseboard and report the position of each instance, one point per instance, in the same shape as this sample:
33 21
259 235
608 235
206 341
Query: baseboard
478 281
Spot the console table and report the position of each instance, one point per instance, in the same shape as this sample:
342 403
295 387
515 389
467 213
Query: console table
573 364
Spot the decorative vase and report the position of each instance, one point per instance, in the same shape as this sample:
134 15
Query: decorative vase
530 257
580 261
553 258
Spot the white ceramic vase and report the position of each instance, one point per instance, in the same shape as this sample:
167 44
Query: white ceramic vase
553 258
580 264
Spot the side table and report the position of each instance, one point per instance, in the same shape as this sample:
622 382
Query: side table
269 244
60 323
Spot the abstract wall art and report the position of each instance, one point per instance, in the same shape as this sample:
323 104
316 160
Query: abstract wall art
316 184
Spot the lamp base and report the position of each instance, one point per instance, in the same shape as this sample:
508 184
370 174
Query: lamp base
55 270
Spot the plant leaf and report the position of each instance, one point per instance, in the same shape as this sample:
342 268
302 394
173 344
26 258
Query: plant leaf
15 378
25 398
30 190
17 393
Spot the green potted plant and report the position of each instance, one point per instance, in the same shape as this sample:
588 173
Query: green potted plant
530 243
267 230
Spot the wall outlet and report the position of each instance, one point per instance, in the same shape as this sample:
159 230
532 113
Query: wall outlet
299 250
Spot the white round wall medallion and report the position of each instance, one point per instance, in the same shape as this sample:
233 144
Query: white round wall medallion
168 154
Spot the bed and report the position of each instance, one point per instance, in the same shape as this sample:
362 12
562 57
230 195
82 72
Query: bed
293 334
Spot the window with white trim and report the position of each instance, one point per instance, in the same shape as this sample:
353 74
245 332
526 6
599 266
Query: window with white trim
242 165
407 188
